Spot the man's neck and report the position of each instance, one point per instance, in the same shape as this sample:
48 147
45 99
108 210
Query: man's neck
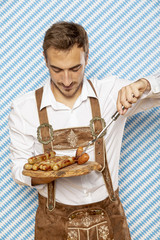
69 102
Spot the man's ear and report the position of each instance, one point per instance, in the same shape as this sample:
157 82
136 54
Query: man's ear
86 58
45 58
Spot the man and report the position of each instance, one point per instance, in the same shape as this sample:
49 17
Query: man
88 206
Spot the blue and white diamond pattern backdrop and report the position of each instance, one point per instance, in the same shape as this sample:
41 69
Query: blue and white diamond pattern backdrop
124 40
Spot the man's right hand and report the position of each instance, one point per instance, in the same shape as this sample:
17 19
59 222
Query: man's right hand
131 93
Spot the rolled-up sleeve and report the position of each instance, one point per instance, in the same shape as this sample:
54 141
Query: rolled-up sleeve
155 83
149 99
21 147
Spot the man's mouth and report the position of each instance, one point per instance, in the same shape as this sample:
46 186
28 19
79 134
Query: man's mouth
68 88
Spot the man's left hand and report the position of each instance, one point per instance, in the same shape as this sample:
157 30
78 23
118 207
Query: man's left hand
131 93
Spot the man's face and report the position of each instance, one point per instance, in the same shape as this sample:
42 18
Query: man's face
66 70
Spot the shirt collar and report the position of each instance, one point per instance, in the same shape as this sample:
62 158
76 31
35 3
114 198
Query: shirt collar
48 98
47 95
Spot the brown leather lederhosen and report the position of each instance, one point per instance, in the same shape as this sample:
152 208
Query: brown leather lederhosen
104 220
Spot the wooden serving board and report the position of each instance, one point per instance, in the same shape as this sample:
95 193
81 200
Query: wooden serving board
70 171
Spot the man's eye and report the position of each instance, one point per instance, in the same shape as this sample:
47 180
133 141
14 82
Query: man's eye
76 69
56 70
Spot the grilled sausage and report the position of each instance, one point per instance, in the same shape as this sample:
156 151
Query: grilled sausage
28 166
83 158
41 157
64 163
79 152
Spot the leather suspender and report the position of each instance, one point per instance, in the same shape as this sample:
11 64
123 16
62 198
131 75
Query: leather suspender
96 114
100 151
43 118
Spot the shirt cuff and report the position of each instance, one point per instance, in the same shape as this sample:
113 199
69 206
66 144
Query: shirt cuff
154 81
38 187
21 179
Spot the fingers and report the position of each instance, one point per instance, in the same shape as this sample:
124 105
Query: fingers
143 84
126 97
130 94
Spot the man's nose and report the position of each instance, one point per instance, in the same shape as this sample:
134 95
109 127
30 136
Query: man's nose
66 78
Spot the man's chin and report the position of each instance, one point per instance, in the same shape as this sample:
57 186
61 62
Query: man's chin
69 94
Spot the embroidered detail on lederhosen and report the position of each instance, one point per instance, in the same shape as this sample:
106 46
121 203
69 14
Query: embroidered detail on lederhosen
101 233
94 223
71 138
73 235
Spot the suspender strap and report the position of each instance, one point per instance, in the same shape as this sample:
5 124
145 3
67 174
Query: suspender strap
43 118
96 114
45 135
108 180
100 149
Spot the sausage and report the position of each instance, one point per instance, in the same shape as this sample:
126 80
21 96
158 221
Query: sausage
48 161
28 166
41 157
80 156
64 163
46 165
35 166
83 158
79 152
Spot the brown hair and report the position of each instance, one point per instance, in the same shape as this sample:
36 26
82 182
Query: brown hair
64 35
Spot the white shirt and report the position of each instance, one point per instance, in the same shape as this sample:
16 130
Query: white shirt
23 123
